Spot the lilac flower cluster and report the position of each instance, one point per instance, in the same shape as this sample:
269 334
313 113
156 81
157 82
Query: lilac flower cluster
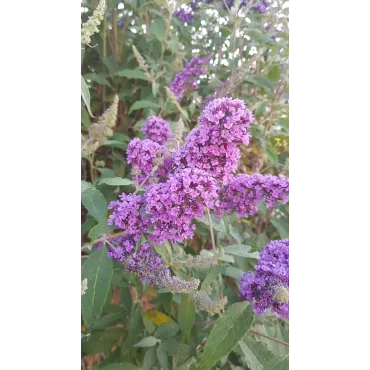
128 214
185 15
212 146
244 192
269 286
198 151
188 77
144 155
157 130
229 119
174 204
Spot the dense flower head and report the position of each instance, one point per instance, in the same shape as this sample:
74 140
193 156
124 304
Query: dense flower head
157 130
230 120
199 151
174 204
244 192
120 248
128 214
185 15
187 79
269 286
144 155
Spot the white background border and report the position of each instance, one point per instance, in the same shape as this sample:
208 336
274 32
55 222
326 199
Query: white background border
40 181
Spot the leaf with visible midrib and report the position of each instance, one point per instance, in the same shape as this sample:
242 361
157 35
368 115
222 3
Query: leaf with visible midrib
226 333
98 270
277 363
94 201
256 353
186 315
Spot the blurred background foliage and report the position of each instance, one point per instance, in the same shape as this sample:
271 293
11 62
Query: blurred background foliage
249 58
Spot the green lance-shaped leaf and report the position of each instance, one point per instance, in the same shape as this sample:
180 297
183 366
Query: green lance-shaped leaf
277 363
85 93
116 181
241 251
186 315
135 74
143 104
148 342
149 358
94 201
227 331
256 353
98 270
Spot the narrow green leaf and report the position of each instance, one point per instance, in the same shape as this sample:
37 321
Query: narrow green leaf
132 73
98 78
225 334
162 357
240 250
148 342
212 275
256 353
155 88
116 144
94 201
98 272
140 104
149 358
186 315
85 93
277 363
116 181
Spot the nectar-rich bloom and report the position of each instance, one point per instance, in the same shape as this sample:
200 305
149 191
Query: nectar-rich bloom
244 192
268 288
187 79
157 130
174 204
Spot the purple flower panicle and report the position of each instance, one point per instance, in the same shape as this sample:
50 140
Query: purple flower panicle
128 214
157 130
244 192
174 204
269 286
187 79
144 155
